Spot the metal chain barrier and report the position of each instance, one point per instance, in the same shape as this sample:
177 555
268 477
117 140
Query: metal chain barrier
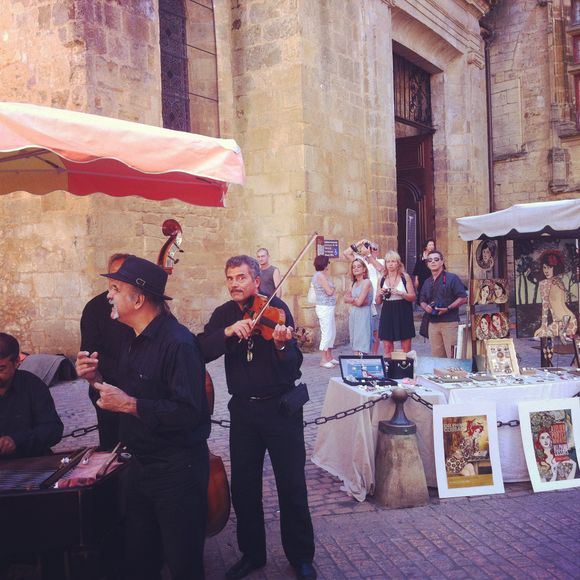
512 423
81 431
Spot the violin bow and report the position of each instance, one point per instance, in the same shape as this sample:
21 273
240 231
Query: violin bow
292 266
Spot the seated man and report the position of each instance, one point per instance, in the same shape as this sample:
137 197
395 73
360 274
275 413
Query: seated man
29 423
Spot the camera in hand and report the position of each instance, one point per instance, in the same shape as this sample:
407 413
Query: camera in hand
434 306
387 293
358 247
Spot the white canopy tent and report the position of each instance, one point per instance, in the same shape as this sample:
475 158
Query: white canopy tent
524 220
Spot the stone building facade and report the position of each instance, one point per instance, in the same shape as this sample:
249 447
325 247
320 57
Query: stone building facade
306 87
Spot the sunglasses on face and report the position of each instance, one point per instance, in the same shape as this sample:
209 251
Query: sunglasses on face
433 259
375 249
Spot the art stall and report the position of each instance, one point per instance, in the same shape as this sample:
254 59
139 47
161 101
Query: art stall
505 423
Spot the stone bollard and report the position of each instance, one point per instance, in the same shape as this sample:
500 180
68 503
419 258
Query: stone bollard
399 475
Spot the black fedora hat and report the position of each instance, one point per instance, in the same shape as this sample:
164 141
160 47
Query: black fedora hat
142 274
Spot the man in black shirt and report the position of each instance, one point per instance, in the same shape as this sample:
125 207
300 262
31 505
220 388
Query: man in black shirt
29 423
164 422
101 334
258 373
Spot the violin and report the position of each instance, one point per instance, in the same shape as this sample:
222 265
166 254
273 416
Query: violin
269 317
266 317
218 488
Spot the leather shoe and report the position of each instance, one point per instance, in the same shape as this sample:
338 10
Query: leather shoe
243 567
305 571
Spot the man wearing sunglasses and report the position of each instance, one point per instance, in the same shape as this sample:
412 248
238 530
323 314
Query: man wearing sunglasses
441 296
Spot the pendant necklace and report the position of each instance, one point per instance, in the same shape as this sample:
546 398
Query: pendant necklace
250 346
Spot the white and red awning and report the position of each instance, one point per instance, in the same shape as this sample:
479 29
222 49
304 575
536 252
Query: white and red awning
44 149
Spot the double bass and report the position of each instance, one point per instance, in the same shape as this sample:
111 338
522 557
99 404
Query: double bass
218 492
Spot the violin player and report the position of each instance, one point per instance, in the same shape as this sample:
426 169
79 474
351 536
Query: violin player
258 373
164 422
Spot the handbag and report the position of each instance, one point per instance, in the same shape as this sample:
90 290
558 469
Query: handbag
311 294
424 328
401 369
293 400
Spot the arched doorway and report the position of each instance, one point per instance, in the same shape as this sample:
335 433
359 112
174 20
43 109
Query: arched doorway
415 208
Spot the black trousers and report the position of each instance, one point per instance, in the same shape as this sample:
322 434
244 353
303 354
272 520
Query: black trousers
257 427
167 515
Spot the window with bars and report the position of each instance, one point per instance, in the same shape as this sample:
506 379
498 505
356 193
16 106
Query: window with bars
189 66
575 12
412 93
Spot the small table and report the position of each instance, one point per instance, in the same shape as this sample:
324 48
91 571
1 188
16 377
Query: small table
506 398
346 447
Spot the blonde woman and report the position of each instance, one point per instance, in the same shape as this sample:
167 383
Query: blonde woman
396 294
360 297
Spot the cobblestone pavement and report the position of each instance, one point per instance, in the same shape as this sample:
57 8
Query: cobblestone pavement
514 535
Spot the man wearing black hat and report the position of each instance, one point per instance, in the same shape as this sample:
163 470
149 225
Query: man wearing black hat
164 422
259 374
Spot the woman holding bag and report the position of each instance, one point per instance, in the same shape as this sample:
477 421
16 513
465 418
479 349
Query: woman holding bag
325 300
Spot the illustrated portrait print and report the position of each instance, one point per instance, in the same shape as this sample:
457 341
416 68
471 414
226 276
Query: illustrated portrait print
546 288
489 291
466 445
485 259
550 429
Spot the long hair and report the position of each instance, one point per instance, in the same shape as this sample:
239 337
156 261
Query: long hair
472 426
538 446
366 272
392 255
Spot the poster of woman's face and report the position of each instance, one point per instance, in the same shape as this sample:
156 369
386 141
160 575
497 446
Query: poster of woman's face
466 452
486 326
549 433
489 291
485 259
546 288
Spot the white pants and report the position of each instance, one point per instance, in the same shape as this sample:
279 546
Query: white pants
327 326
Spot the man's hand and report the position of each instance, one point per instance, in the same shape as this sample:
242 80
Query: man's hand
281 335
7 445
114 399
87 366
241 328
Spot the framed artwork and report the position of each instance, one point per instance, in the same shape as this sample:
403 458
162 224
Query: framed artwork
494 291
484 254
486 326
466 449
577 349
550 430
501 356
546 288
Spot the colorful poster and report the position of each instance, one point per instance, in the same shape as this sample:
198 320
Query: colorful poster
489 291
486 326
466 450
485 259
546 288
549 434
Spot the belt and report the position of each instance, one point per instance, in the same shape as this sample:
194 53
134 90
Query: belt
265 397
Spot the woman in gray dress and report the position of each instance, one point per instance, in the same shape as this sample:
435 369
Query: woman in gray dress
360 297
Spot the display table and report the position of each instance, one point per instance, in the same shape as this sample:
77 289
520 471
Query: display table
506 397
346 447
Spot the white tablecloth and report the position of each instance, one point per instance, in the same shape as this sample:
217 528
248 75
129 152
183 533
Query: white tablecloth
346 447
507 397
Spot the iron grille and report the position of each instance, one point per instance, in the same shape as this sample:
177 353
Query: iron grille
412 93
174 83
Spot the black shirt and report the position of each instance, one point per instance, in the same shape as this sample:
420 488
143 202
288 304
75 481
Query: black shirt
99 332
164 370
270 372
422 272
28 415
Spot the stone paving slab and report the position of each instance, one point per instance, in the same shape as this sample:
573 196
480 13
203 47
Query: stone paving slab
518 534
